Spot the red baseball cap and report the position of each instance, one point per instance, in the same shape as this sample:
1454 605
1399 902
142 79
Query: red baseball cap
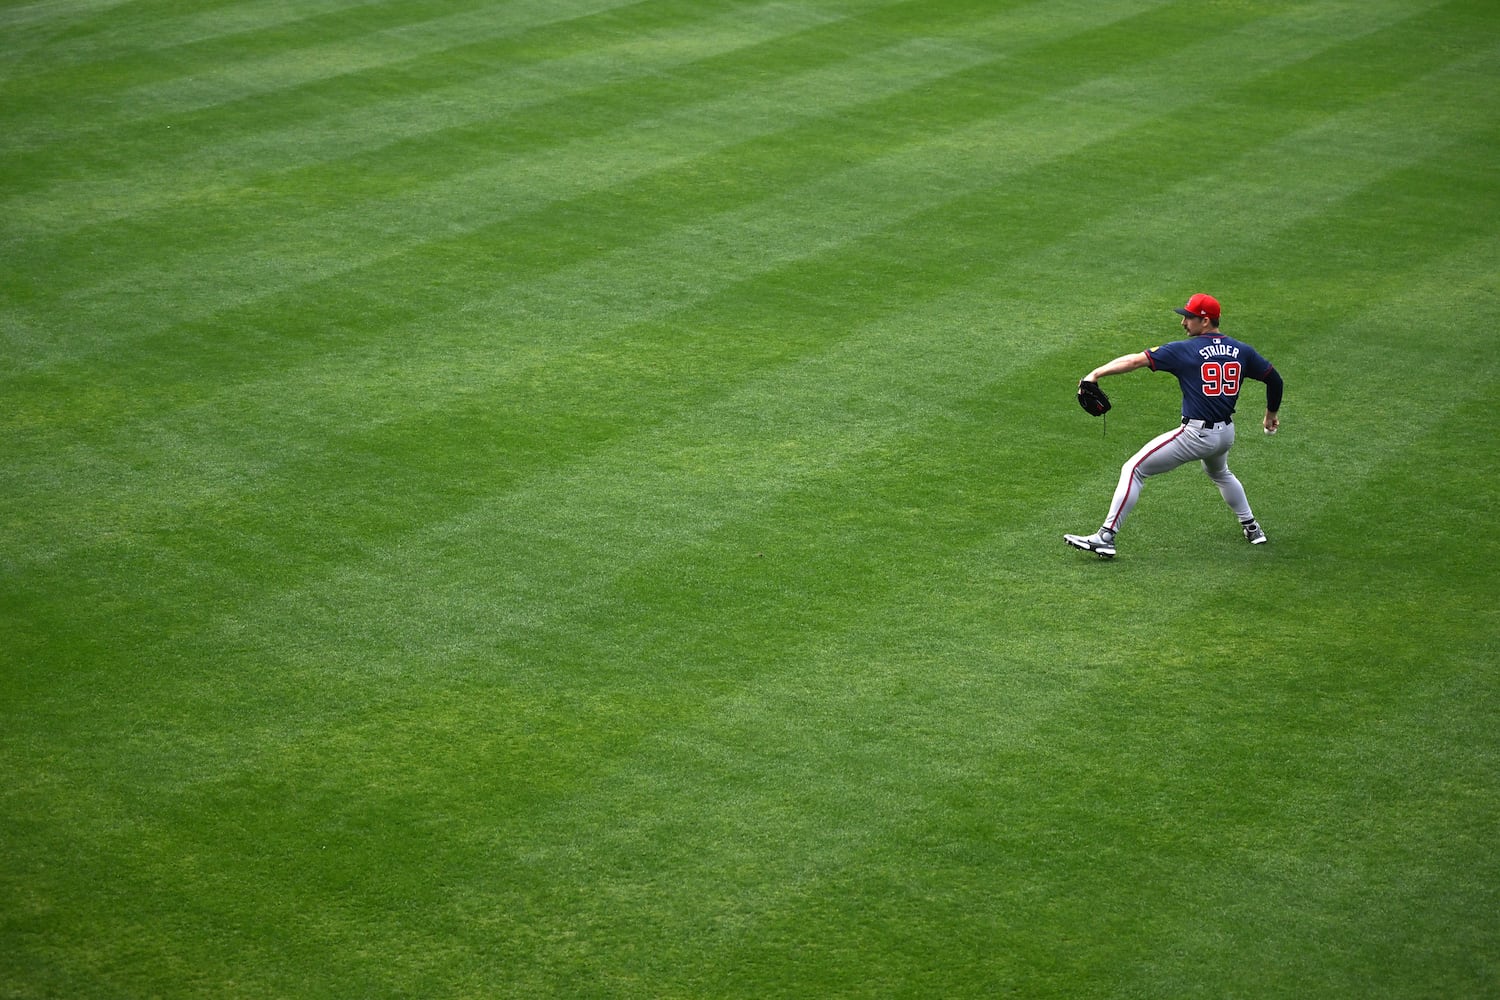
1201 305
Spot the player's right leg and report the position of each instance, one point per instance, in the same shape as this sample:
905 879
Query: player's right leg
1229 486
1233 492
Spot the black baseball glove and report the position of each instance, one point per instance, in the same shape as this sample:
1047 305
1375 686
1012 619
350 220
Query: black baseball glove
1092 398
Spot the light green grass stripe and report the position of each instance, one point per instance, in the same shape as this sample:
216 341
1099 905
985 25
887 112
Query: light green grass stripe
346 121
638 505
782 755
748 780
388 50
551 175
38 23
100 37
556 174
218 173
203 77
219 474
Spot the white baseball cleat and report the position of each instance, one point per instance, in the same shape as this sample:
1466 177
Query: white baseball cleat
1094 543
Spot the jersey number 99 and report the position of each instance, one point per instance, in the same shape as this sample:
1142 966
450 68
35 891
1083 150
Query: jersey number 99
1220 378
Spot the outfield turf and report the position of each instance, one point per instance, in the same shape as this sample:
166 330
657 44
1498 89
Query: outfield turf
562 498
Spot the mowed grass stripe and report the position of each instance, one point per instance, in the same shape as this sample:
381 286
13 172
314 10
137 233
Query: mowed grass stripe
204 268
355 223
747 781
216 496
572 55
531 313
572 901
635 501
155 80
457 110
545 296
575 168
797 732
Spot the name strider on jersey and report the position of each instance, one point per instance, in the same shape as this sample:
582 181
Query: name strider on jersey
1210 368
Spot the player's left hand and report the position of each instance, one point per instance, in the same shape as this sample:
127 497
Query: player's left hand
1092 398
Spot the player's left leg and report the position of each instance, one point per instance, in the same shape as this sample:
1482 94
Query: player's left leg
1161 454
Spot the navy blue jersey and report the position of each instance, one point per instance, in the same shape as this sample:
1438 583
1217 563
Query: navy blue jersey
1210 368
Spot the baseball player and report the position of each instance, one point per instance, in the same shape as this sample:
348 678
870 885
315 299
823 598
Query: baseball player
1211 368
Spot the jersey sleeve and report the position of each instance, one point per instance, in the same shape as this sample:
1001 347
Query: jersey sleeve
1262 370
1259 368
1163 358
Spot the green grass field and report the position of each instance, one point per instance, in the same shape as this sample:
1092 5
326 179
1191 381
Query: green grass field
562 498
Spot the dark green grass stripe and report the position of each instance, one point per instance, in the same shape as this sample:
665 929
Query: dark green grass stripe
749 789
320 293
463 148
662 351
405 96
173 67
31 26
1437 126
325 225
522 885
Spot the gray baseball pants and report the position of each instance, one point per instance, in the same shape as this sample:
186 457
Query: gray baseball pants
1192 441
